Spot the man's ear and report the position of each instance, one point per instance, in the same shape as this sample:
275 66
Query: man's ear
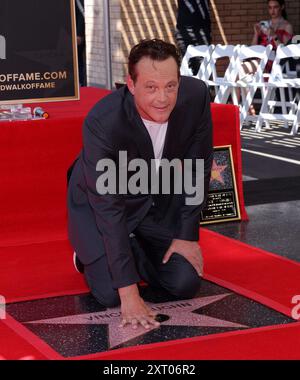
130 84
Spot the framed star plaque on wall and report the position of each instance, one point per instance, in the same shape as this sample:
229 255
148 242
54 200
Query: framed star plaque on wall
222 202
38 51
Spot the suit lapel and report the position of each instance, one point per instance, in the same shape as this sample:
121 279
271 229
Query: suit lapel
139 131
172 136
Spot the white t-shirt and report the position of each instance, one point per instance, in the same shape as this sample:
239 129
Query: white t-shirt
157 133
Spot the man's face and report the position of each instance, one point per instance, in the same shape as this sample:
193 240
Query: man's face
155 89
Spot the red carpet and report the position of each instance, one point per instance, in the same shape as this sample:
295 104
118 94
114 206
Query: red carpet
36 259
14 347
39 270
254 273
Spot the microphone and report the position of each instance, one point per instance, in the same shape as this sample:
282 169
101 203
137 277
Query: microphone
39 112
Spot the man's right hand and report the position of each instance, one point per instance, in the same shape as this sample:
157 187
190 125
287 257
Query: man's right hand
134 310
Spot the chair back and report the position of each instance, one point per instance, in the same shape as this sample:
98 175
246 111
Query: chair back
255 52
283 52
201 51
224 51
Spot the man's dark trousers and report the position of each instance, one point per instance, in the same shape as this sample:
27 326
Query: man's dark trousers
149 244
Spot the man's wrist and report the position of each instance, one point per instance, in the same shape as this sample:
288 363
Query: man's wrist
183 240
130 291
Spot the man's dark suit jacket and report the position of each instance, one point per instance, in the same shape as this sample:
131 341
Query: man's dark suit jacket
101 224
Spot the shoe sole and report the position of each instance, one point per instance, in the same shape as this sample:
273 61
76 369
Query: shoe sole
74 263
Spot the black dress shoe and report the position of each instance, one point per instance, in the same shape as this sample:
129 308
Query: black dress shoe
78 264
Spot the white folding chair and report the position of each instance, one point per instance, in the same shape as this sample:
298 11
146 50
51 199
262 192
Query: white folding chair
290 109
251 82
247 85
201 51
224 85
289 73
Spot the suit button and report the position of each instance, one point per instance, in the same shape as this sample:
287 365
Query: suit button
153 204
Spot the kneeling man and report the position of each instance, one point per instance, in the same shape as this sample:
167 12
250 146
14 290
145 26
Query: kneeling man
122 237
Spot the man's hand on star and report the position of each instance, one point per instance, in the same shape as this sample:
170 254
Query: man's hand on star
134 310
190 250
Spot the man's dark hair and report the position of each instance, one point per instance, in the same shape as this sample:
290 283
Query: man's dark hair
155 49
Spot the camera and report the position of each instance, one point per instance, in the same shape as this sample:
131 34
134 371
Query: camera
264 25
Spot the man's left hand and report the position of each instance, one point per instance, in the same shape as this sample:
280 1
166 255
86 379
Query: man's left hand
190 250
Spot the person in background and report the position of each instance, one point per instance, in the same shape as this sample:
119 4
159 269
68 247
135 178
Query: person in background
193 27
275 31
80 26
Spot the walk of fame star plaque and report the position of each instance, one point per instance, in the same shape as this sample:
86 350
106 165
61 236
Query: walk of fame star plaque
222 202
77 325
